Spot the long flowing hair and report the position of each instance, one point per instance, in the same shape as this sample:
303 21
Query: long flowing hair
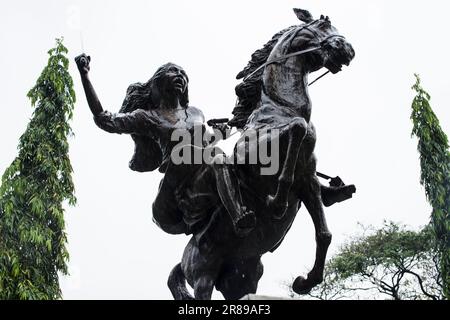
147 152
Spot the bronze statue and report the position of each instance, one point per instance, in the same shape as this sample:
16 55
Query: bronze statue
235 213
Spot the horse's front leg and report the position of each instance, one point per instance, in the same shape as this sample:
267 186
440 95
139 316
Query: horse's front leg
312 199
278 203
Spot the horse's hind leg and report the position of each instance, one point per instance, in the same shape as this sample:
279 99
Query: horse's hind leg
200 270
278 203
177 284
313 203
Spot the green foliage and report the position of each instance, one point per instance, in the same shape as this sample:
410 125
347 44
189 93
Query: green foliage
388 245
435 172
393 261
34 188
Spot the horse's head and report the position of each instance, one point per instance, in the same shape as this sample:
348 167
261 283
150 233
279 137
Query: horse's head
280 69
332 51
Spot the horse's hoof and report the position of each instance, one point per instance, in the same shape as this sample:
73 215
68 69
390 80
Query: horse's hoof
301 286
278 211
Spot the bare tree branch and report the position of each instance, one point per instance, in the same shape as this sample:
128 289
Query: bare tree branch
419 279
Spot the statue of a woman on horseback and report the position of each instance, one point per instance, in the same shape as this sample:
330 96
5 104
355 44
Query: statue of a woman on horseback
234 213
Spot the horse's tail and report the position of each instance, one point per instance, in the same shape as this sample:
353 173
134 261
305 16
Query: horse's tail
177 284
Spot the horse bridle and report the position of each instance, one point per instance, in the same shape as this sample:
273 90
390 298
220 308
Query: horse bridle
298 53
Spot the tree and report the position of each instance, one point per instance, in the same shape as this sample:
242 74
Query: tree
34 189
391 261
435 173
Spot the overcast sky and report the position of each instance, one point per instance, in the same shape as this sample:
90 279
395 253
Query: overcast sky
361 116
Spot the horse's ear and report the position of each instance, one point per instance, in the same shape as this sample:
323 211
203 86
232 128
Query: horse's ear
303 15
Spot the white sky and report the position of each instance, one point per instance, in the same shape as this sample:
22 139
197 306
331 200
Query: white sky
361 116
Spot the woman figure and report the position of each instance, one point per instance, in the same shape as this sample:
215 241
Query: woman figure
150 113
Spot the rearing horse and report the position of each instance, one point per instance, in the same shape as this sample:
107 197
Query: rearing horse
275 97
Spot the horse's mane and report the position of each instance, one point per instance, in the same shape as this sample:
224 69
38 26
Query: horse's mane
249 91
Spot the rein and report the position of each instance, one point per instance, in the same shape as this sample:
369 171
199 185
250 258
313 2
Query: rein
293 54
297 53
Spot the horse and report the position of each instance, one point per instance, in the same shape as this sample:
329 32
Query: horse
277 79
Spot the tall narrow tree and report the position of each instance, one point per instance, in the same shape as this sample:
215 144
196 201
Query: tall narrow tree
35 188
435 173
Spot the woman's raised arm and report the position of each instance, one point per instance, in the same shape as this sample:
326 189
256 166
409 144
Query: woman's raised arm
138 121
82 62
